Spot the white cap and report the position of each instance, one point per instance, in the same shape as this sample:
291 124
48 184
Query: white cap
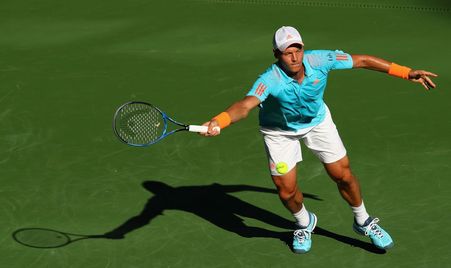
285 36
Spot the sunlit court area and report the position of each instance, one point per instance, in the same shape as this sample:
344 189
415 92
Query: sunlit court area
74 195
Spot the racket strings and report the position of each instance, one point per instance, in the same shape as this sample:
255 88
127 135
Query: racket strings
140 124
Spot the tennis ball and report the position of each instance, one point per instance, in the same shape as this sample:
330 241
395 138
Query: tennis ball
282 167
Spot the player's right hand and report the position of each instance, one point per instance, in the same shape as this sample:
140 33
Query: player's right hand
213 129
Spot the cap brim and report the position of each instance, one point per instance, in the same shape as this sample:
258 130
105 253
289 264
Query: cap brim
289 43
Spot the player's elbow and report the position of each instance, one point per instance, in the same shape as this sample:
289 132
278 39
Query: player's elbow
241 109
360 61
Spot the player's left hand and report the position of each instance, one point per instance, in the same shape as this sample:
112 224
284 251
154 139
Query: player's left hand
422 77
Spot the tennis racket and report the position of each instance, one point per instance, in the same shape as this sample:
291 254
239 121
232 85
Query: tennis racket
47 238
142 124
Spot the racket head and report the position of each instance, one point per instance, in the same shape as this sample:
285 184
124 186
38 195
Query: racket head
139 123
41 238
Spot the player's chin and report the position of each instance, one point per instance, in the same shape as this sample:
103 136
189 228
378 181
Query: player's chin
295 68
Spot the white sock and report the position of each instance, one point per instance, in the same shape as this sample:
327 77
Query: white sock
360 214
302 217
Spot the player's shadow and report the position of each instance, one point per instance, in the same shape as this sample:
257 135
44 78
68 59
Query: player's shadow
214 204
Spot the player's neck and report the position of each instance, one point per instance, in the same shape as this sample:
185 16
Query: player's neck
299 76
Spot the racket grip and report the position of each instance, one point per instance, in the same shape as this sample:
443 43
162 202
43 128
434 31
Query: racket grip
194 128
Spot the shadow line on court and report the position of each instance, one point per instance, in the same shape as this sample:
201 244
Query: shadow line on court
213 203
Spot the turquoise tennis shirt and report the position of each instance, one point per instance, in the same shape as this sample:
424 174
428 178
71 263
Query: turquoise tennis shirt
288 105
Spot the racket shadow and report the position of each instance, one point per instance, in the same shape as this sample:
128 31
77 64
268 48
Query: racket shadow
46 238
215 204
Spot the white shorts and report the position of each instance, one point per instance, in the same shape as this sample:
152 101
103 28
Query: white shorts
284 149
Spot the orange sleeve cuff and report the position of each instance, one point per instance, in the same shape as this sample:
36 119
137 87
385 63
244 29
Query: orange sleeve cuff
399 71
223 119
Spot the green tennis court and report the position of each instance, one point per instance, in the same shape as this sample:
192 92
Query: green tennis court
189 201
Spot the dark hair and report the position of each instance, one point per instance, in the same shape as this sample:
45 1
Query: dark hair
276 52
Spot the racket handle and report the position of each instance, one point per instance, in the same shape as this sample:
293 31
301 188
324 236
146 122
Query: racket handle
194 128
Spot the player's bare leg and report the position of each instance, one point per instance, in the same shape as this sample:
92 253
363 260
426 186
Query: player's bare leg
347 183
349 188
292 198
288 190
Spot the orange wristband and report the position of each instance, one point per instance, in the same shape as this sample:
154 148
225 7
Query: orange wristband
223 119
399 71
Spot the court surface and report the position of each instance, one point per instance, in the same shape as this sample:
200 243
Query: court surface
190 201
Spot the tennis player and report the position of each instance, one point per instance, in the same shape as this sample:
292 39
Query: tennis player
290 96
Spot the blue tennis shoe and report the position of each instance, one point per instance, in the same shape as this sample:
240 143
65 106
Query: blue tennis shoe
302 238
379 237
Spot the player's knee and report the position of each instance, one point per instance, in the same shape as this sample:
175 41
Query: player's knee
287 194
344 176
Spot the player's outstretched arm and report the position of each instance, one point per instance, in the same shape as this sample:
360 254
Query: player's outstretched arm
381 65
234 113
